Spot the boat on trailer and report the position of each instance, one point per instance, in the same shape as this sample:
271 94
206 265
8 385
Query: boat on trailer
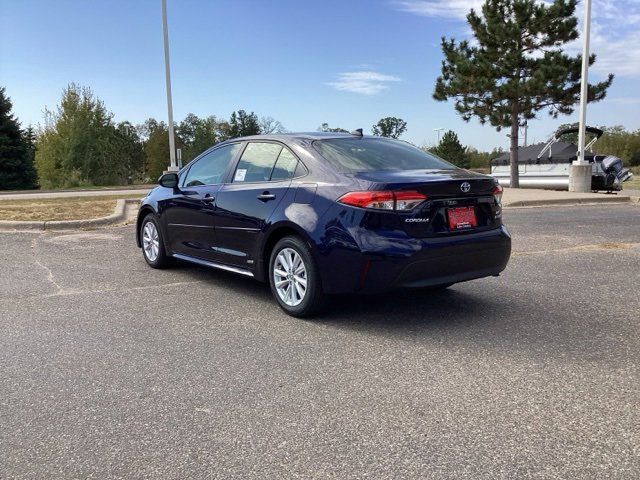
547 165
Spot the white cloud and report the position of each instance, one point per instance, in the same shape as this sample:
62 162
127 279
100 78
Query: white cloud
456 9
615 29
615 38
620 56
365 82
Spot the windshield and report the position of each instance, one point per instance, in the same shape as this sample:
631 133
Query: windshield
350 155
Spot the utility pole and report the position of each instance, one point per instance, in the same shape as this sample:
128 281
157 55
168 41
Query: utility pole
580 172
525 128
438 130
173 167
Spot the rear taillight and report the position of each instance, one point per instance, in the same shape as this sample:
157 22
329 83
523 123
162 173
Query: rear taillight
497 194
401 201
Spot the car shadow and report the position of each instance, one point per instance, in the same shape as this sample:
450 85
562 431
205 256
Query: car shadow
408 309
468 316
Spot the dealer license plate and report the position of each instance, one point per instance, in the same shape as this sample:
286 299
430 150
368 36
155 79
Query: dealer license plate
462 218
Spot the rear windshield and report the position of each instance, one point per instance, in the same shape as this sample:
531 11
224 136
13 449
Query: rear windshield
350 155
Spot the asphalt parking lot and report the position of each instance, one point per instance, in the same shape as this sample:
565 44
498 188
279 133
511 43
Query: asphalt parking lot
112 370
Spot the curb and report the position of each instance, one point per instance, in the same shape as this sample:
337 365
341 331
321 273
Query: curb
572 201
119 214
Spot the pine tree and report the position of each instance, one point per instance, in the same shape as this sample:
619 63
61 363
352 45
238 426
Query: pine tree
30 173
242 124
16 159
391 127
516 66
451 150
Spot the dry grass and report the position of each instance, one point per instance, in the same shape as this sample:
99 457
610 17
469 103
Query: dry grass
67 208
633 184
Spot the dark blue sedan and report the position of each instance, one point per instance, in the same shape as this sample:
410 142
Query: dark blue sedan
317 213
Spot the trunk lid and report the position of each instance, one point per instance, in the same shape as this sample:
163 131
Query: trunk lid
445 190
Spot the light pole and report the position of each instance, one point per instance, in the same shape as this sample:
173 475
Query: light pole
580 173
173 167
438 130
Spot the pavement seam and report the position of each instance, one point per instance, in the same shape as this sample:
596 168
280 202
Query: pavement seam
66 291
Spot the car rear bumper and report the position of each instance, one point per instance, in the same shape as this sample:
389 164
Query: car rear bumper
410 263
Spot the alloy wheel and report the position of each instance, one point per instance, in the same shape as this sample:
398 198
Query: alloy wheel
151 241
290 277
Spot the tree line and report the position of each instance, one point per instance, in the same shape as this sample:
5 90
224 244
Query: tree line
80 144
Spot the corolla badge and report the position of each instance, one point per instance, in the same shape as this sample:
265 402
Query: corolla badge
465 187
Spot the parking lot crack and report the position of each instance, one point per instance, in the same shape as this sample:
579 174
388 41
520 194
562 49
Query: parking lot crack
59 289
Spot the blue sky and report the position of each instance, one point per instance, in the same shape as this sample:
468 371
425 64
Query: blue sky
347 63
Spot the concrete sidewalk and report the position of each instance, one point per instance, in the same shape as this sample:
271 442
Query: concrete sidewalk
142 191
531 197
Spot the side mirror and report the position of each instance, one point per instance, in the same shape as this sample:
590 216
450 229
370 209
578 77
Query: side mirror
169 180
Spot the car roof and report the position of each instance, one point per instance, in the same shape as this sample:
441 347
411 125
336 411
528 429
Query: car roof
295 136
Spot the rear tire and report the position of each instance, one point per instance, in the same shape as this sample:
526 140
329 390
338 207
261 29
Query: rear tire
294 278
153 246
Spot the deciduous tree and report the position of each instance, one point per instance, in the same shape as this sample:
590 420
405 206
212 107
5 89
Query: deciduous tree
156 148
79 144
199 134
271 125
326 128
391 127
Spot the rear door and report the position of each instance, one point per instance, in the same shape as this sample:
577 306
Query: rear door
243 207
189 215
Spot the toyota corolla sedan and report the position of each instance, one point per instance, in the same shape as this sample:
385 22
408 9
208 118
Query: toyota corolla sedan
315 214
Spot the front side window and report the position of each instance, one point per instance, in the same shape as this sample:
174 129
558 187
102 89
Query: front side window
257 162
351 155
210 169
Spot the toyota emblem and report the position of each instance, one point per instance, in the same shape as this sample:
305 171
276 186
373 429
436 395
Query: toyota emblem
465 187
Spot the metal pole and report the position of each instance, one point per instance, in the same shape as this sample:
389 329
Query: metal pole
585 82
439 130
172 142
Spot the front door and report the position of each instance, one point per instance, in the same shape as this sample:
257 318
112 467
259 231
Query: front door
189 214
243 206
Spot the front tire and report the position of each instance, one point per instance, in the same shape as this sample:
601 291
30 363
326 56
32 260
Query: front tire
153 246
294 278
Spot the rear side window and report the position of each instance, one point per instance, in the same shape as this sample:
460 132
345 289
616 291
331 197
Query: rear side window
210 169
285 166
263 162
349 155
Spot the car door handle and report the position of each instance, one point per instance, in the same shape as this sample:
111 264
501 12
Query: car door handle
266 196
208 199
